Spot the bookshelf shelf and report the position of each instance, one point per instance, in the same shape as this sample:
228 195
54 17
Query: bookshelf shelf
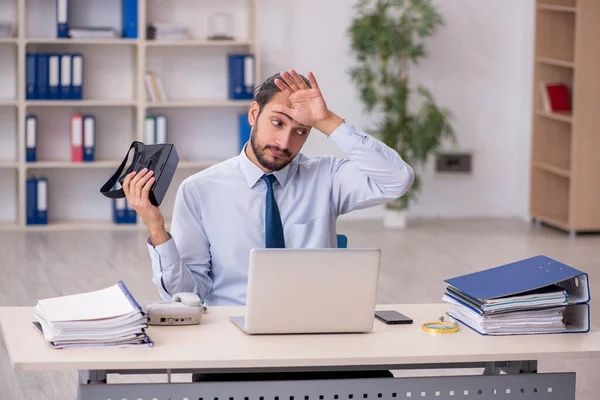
556 62
552 169
8 164
196 43
75 225
564 190
558 221
202 121
563 117
8 225
80 103
104 42
74 165
201 104
558 8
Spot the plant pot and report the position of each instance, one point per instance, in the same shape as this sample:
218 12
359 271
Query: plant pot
394 218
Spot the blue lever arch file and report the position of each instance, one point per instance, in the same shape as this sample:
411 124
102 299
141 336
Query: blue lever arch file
241 76
62 18
244 130
129 18
31 205
42 76
31 76
524 276
31 138
474 296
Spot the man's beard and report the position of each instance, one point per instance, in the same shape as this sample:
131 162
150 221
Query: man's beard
261 155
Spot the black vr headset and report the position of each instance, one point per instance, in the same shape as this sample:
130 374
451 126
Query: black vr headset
160 158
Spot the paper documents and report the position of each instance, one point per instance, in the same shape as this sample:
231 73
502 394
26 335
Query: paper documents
106 317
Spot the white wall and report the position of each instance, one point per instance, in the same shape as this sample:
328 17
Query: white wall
479 66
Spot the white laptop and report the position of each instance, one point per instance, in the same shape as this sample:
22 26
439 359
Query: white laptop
311 291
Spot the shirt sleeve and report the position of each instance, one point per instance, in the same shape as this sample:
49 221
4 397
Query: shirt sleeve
371 173
183 262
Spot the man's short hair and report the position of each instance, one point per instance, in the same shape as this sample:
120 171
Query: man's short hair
268 89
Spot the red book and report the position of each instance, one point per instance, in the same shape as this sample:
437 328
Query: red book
558 98
77 138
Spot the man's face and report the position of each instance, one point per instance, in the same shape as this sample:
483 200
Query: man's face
276 138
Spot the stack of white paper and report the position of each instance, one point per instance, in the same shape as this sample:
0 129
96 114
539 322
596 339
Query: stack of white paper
533 312
545 320
92 33
107 317
165 31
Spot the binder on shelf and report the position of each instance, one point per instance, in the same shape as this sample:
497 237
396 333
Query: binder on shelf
241 76
31 201
161 129
54 76
31 76
31 138
89 137
129 18
62 18
120 210
65 76
42 201
528 287
77 77
42 76
37 201
76 138
150 130
244 129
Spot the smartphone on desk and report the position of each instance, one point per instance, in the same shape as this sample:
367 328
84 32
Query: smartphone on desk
392 317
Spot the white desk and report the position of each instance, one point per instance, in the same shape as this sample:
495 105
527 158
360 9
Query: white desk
218 346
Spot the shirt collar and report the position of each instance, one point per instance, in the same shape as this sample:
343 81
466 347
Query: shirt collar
253 173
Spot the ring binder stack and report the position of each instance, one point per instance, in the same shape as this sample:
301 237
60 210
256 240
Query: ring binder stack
533 296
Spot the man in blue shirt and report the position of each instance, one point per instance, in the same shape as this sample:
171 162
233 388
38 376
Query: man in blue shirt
270 195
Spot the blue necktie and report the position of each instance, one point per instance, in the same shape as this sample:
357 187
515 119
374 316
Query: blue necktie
273 226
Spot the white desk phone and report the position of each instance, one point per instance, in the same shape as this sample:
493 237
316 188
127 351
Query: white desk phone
184 309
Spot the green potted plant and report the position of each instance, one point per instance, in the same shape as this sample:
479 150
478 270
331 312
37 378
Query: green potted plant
387 37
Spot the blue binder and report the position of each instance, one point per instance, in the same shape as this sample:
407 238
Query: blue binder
245 129
120 211
89 137
241 76
77 76
524 276
42 76
62 18
131 215
129 16
30 138
42 201
66 76
532 274
54 76
31 76
31 201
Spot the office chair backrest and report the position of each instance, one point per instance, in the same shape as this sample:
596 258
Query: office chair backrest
342 241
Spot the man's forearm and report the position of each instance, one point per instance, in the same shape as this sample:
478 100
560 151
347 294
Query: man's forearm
158 235
329 124
386 175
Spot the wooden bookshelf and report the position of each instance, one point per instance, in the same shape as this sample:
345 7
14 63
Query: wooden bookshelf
202 120
565 146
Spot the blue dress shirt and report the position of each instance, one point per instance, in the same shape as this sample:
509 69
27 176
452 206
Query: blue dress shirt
219 212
